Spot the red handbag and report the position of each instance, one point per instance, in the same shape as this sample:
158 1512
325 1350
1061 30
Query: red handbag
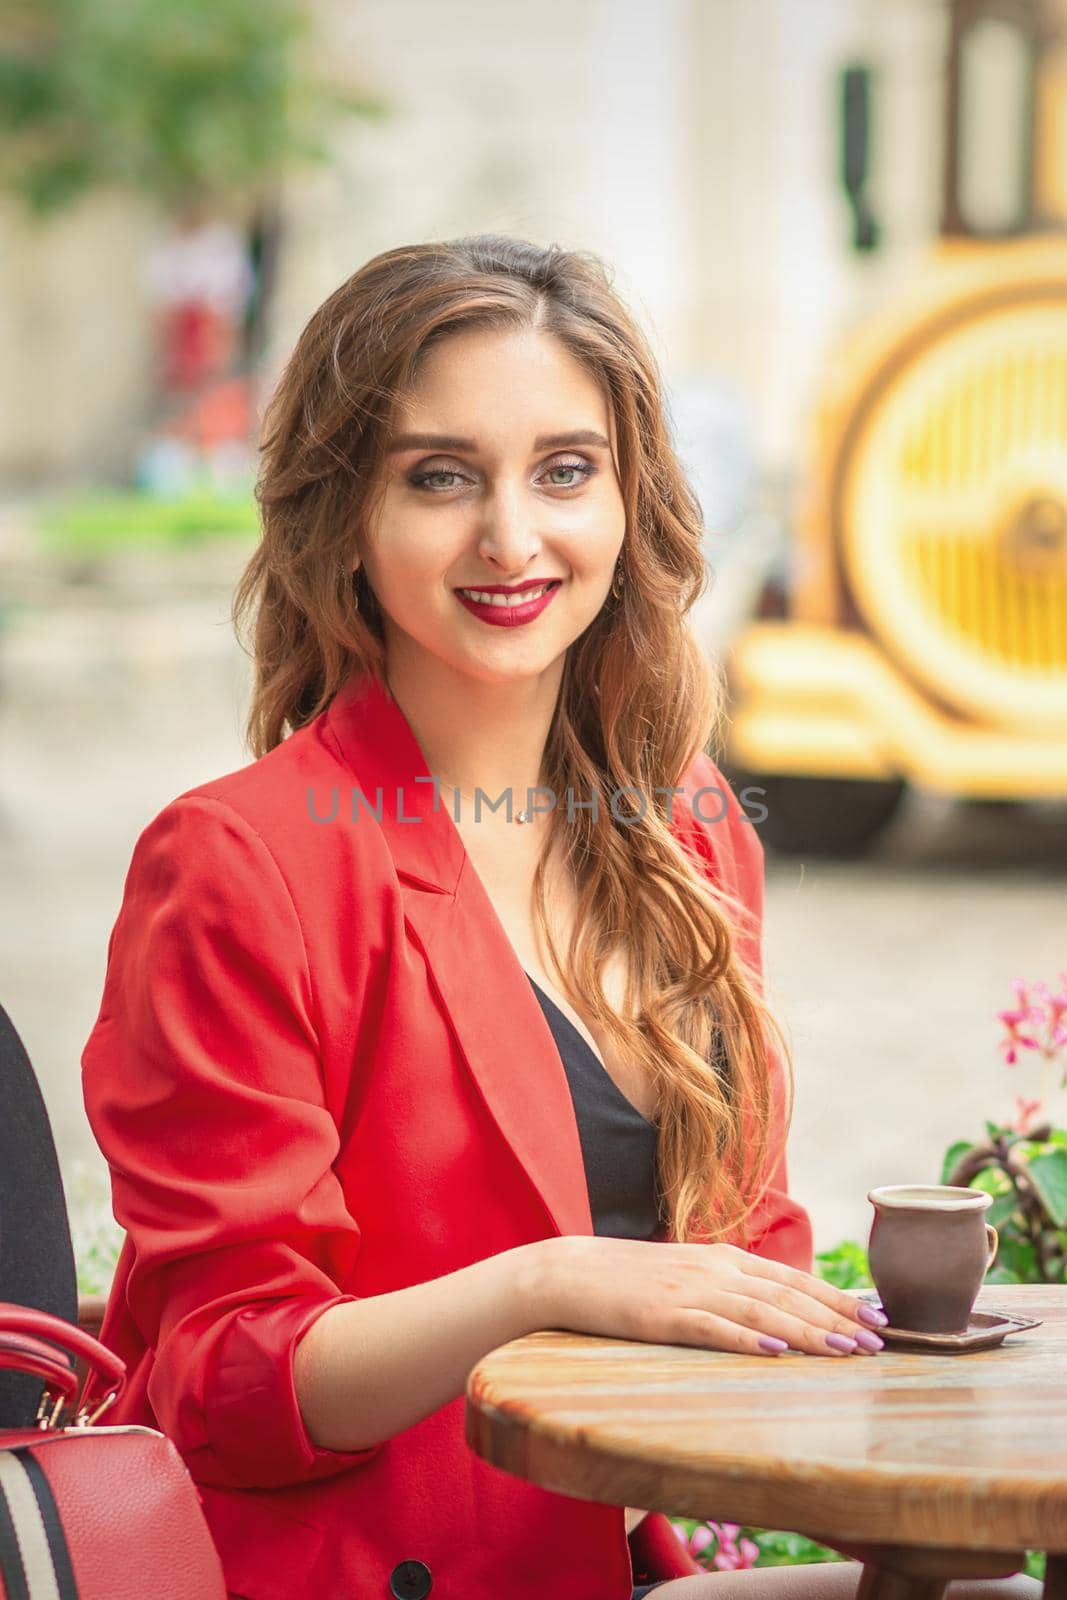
88 1512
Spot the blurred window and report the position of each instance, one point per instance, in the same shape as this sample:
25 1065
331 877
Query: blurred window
995 84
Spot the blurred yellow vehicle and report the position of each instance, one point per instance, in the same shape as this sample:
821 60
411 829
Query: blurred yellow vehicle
923 634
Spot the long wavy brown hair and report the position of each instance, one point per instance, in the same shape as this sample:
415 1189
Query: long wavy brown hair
637 701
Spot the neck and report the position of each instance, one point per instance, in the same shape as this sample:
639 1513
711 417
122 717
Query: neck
474 735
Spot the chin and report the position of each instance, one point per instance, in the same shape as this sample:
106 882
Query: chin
506 672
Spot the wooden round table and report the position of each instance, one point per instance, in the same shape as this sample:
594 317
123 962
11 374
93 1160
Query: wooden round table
925 1467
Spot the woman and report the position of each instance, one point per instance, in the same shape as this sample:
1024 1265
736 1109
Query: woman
387 1077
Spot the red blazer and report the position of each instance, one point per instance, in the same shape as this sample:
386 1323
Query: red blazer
319 1072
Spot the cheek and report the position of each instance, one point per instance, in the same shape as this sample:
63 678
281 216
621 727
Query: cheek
406 555
595 538
608 511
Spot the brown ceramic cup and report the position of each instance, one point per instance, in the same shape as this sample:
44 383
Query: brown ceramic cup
930 1248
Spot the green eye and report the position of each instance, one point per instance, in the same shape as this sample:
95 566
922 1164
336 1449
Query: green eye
584 468
420 480
431 478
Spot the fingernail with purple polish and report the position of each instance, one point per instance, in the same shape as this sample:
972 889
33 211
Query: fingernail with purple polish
871 1315
869 1341
774 1346
838 1341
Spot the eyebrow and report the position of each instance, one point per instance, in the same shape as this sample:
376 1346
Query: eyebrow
447 441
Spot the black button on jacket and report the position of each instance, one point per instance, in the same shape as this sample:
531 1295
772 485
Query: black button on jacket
410 1580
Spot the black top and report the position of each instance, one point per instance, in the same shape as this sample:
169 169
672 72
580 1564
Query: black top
618 1143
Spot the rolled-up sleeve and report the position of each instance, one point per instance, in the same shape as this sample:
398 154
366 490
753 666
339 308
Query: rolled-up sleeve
203 1085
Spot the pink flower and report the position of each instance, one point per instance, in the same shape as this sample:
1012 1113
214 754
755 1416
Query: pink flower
730 1552
702 1537
1037 1022
1026 1114
1013 1021
1058 1002
1024 994
733 1557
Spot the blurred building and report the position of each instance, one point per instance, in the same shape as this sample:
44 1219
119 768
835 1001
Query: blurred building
693 143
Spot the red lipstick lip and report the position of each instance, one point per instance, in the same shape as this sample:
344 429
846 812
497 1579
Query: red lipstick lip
505 588
514 616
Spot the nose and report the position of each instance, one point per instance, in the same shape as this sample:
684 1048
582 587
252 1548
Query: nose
509 536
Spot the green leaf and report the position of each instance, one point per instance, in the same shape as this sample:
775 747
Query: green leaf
1003 1207
787 1549
953 1155
997 1130
1016 1262
994 1181
845 1266
998 1275
1049 1176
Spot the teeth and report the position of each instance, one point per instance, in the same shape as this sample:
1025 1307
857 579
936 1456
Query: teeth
505 599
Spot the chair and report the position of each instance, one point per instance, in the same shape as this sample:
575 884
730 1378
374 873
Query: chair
36 1254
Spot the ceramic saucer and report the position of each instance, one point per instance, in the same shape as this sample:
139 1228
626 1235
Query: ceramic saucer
984 1330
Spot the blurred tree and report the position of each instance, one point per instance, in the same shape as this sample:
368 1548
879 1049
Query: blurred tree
200 105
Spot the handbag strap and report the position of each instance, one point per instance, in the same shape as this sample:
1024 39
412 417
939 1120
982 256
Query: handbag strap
21 1352
35 1560
19 1324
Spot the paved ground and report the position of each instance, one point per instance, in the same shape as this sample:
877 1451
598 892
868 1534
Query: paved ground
887 972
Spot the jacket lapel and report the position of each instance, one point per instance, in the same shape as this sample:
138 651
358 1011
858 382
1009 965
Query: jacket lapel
493 1012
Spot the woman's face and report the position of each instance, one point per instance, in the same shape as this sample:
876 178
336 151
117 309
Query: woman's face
501 472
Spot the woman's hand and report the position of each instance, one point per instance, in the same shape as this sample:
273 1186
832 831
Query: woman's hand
713 1296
